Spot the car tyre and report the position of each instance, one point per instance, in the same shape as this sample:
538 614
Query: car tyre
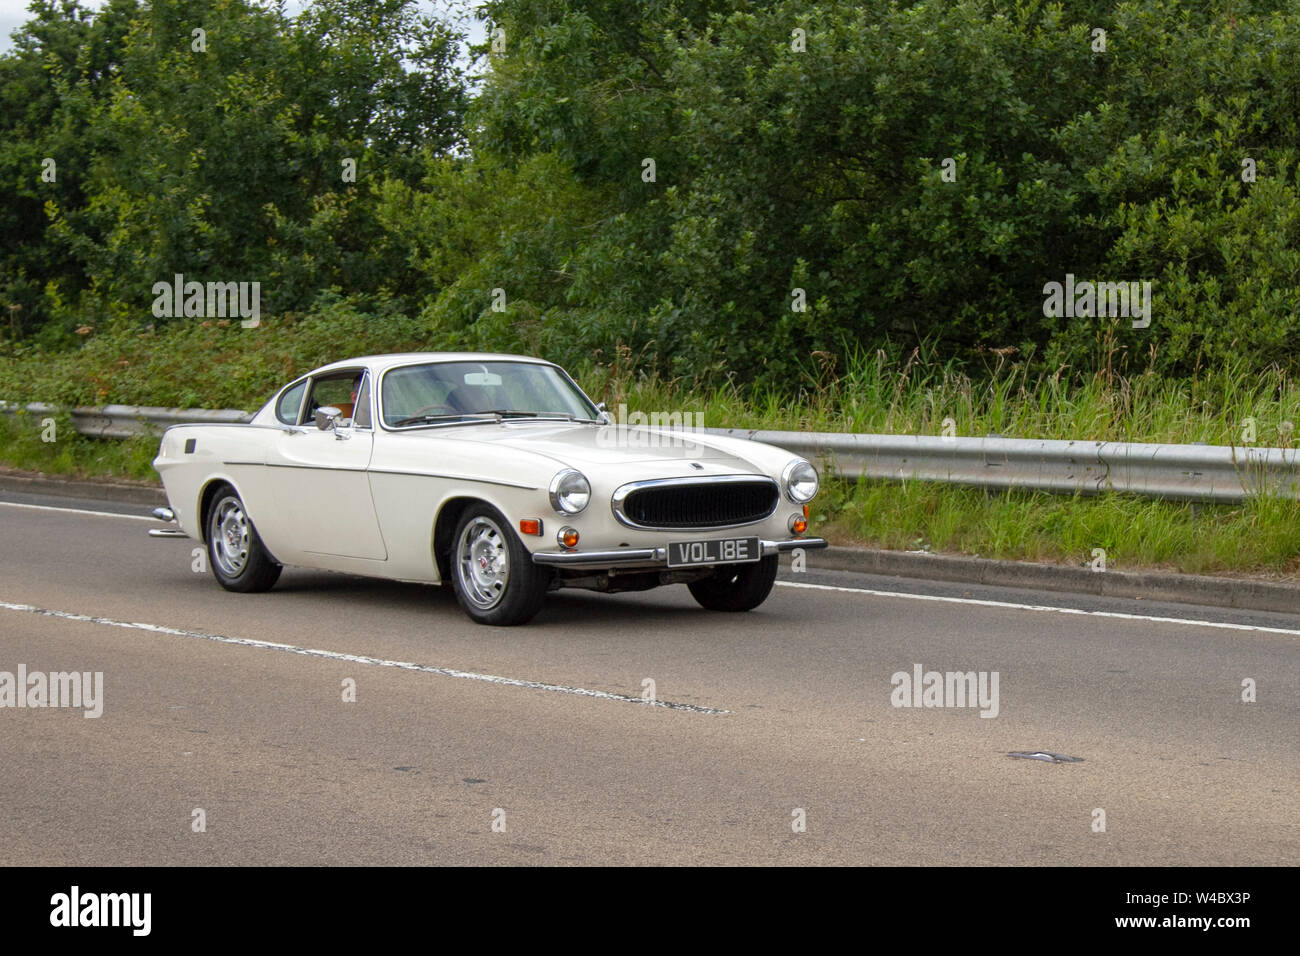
239 560
736 587
492 573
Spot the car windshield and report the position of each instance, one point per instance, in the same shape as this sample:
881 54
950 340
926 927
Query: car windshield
465 391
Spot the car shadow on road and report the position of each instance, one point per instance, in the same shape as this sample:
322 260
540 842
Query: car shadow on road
573 607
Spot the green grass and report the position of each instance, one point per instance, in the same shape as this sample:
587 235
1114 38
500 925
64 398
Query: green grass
23 446
213 366
1135 533
209 365
877 394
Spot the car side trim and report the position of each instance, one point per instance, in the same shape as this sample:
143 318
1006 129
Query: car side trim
388 471
482 481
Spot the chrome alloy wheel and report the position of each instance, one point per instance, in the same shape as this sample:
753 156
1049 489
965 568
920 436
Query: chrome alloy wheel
230 536
483 563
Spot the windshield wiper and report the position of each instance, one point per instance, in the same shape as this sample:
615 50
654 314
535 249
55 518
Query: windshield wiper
445 417
516 413
496 414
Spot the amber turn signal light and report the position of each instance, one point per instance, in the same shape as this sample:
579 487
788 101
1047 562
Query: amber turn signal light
530 526
568 538
798 524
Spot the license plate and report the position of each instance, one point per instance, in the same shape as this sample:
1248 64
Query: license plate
716 551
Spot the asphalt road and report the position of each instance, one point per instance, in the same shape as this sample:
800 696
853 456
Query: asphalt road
784 709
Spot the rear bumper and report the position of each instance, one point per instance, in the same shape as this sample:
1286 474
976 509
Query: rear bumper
166 514
652 557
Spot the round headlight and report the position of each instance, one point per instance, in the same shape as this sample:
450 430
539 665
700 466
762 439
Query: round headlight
570 492
800 481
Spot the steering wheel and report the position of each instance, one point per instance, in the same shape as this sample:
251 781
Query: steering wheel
420 411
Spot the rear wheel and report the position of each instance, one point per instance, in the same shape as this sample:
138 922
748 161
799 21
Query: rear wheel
239 560
492 572
736 587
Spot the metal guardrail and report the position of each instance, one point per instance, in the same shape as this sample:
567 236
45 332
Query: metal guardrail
127 421
1185 472
1188 472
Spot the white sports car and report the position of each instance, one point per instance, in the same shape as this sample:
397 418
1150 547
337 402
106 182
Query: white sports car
495 472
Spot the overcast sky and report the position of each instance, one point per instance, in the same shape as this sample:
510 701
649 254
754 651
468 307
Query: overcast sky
13 13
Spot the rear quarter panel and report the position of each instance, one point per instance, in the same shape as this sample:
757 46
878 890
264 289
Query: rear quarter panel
191 457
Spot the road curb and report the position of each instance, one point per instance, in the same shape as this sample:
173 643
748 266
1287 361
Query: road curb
1241 593
33 483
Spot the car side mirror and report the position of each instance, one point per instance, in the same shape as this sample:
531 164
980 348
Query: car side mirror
603 416
328 416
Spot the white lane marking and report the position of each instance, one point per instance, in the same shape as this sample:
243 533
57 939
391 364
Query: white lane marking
360 659
77 511
1045 607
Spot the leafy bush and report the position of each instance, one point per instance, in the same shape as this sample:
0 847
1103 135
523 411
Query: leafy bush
823 169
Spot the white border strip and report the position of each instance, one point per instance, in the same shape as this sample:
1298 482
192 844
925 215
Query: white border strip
360 659
1223 625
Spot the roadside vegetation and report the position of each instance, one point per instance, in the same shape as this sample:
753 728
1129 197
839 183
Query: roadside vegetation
69 455
887 390
1260 536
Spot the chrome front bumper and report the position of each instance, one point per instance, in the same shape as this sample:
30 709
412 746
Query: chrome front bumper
652 557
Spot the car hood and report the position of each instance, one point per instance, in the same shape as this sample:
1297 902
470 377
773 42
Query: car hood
575 443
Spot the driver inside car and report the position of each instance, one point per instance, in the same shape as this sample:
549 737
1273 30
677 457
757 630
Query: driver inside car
347 408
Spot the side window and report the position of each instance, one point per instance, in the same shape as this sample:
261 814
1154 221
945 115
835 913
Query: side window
361 414
287 408
332 391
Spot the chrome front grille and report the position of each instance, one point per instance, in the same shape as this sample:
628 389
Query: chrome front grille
681 504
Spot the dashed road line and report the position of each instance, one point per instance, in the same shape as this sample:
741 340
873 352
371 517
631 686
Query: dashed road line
362 659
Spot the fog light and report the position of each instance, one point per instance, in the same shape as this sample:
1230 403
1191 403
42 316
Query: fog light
798 524
530 526
568 538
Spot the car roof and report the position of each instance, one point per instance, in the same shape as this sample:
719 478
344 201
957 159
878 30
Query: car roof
378 363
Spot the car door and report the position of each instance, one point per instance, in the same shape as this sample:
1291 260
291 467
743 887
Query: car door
319 477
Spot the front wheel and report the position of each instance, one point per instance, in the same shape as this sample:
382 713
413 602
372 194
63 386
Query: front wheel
736 587
240 562
492 573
